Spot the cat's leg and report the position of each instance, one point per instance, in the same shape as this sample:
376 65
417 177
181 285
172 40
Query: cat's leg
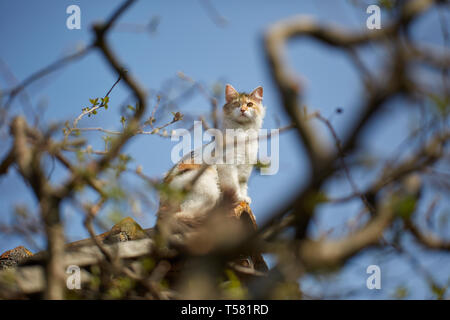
244 172
243 195
229 180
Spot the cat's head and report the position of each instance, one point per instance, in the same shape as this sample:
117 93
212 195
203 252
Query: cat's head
244 109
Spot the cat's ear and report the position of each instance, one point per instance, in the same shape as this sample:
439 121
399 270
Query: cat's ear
257 94
230 93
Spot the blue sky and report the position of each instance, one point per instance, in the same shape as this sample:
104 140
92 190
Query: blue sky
34 34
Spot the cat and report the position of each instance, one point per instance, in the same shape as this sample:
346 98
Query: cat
242 112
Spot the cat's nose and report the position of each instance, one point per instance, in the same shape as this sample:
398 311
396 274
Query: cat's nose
243 109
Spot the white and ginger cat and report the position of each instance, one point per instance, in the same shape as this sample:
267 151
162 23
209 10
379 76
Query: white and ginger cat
243 113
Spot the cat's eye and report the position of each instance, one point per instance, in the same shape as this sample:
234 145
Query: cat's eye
249 104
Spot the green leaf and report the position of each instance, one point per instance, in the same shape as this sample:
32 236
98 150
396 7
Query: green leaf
115 216
107 140
147 263
233 288
80 155
386 4
315 198
125 157
441 103
259 164
405 206
170 194
94 102
401 292
438 291
116 193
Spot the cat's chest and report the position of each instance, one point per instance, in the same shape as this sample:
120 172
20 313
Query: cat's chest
244 153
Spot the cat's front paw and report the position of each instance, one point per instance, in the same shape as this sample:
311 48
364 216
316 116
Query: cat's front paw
244 199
